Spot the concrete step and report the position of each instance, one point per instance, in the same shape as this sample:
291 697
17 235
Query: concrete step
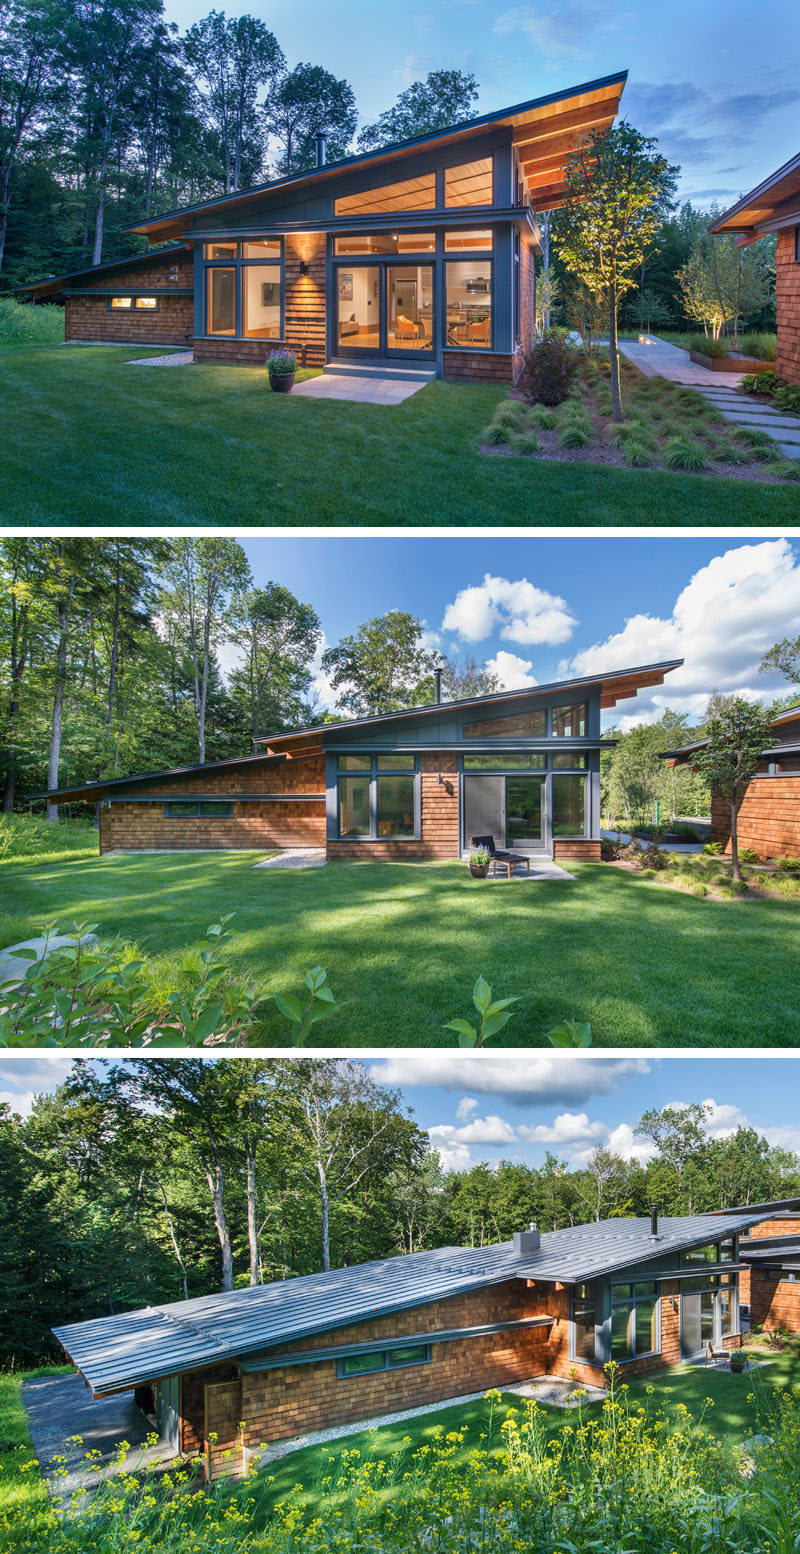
380 370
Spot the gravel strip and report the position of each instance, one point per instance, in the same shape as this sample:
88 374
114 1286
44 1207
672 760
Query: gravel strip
295 858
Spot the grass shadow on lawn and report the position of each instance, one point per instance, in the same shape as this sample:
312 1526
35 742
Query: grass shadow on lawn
85 437
404 943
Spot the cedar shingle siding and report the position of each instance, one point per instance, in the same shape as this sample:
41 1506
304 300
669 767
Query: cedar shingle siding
768 821
171 323
787 296
137 825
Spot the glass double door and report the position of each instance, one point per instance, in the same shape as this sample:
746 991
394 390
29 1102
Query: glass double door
383 309
707 1316
509 808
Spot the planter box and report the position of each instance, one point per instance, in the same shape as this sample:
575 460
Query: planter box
731 363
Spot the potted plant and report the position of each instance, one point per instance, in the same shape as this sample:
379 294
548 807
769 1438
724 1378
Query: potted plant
282 368
479 863
738 1361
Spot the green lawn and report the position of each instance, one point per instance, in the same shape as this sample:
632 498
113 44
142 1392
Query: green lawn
403 944
87 439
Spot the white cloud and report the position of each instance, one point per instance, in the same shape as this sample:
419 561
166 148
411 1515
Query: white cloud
482 1130
454 1157
25 1078
321 684
530 1080
518 610
512 672
561 33
568 1128
466 1106
730 612
623 1141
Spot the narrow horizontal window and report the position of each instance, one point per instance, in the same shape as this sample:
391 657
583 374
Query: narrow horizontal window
197 809
354 763
386 243
569 722
408 194
469 184
395 763
262 248
521 725
121 303
469 240
146 304
572 763
215 251
383 1360
361 1364
413 1354
501 762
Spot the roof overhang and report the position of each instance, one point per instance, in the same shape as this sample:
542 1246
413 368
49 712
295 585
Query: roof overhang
771 204
545 130
97 790
56 284
617 685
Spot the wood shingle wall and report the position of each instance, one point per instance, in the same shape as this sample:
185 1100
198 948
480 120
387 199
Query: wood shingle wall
255 823
171 323
769 818
787 296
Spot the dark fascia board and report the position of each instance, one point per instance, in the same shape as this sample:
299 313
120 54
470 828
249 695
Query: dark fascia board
687 750
364 158
496 698
769 1210
128 291
216 798
761 189
171 771
148 257
340 226
270 1361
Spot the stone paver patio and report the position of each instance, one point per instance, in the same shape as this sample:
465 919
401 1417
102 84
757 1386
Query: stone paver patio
365 386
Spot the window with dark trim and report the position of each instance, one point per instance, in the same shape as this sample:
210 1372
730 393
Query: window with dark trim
569 722
797 245
243 289
520 725
351 1365
201 809
517 292
377 797
635 1320
128 304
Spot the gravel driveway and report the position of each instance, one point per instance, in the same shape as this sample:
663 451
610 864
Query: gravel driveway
61 1407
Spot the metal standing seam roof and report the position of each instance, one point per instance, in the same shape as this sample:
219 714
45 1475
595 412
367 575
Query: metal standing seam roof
117 1352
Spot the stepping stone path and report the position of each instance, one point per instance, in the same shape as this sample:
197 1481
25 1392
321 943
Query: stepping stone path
657 358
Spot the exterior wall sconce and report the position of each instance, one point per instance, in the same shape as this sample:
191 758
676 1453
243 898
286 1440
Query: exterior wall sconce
674 1302
303 267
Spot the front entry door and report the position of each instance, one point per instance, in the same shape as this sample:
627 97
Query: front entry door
409 309
383 310
511 808
484 808
358 309
168 1410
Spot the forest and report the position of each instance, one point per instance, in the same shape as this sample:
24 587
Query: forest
154 1180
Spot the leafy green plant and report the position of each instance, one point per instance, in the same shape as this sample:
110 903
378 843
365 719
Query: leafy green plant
480 857
493 1017
787 398
281 364
738 1362
571 1033
320 1005
714 849
549 371
760 383
23 323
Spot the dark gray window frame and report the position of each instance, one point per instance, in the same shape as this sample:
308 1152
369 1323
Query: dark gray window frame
218 803
238 264
134 297
386 1362
370 768
546 770
631 1301
797 244
593 1300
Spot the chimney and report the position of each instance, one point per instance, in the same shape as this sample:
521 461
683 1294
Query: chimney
527 1242
654 1236
437 680
322 147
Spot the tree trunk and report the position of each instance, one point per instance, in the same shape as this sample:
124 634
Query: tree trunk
5 197
19 657
58 696
252 1214
99 216
326 1228
216 1183
735 871
613 353
176 1249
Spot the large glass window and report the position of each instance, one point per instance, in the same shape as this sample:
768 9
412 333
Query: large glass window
358 307
468 240
634 1320
396 806
569 722
469 184
221 301
583 1324
409 325
386 243
524 811
504 762
520 725
408 194
569 805
354 806
261 284
469 303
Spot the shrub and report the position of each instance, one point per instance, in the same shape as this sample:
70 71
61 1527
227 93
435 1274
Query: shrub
788 398
542 417
549 371
682 453
709 347
760 383
527 443
575 433
26 323
762 346
493 435
509 413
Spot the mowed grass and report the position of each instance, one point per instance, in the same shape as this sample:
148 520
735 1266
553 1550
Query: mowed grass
87 439
404 943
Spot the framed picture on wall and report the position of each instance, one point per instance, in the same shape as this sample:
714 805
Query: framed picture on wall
270 294
346 285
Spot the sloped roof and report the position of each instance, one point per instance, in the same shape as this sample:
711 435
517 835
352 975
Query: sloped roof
788 715
546 129
96 790
777 193
56 283
117 1352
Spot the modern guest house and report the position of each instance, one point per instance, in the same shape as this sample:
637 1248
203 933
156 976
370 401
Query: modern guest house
418 255
774 208
522 766
229 1373
769 814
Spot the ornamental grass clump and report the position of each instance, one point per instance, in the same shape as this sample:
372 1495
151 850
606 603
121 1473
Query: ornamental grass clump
682 453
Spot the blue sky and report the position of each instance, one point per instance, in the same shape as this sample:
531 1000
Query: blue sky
494 1105
715 81
540 608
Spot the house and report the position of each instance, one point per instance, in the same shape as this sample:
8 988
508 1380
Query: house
418 784
774 206
769 1279
419 255
769 814
232 1372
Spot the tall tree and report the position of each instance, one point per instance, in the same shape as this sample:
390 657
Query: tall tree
279 637
31 84
382 667
468 678
783 657
619 189
233 58
445 97
303 103
204 575
738 732
677 1132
